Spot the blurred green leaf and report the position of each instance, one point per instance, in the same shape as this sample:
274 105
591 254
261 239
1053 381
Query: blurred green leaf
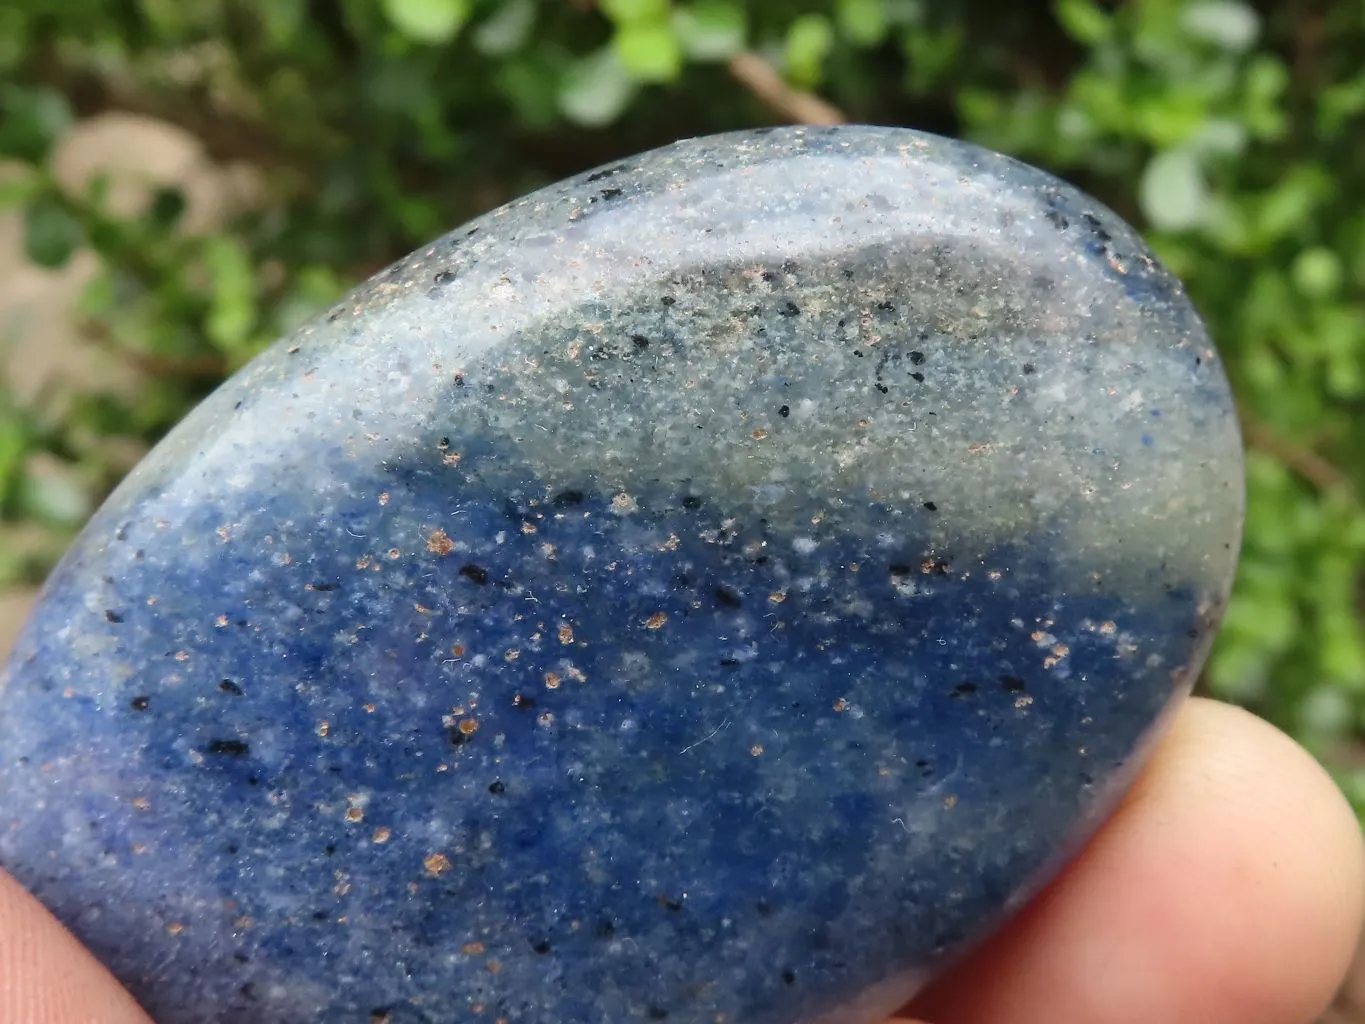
596 89
635 11
433 22
649 51
1173 192
507 29
1083 20
862 22
233 312
711 29
809 41
1230 24
31 121
51 233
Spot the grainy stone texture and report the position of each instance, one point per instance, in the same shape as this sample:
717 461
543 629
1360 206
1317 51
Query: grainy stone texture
714 588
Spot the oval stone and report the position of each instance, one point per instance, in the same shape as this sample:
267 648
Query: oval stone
718 587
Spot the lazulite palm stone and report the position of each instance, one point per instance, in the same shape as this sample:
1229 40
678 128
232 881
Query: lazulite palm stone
712 589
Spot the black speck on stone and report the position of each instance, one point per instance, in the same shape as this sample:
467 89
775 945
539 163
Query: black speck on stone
930 506
789 308
228 686
443 277
789 977
608 172
964 689
785 411
112 616
639 341
140 703
1029 368
496 787
227 748
691 501
611 193
918 377
728 596
1012 684
567 499
657 1013
476 573
541 946
917 358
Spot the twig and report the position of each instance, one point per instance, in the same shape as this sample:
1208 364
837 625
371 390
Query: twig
1308 464
763 80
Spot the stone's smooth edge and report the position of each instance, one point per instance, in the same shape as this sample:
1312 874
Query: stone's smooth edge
236 529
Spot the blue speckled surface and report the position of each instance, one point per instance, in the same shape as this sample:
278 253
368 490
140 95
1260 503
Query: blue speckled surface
713 589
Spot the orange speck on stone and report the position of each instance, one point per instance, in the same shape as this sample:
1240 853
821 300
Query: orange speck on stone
565 633
841 704
656 620
493 967
950 801
759 434
472 948
394 552
354 815
552 680
451 458
468 726
439 542
141 803
175 927
457 650
435 863
756 749
383 497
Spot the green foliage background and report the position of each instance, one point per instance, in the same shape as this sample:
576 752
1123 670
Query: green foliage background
1233 132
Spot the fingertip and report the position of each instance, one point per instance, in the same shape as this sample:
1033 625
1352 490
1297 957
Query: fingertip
46 976
1229 885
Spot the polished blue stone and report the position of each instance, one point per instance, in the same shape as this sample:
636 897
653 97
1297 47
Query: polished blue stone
716 588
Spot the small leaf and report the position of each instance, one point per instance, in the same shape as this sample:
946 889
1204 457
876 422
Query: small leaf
31 120
232 314
624 12
649 51
427 21
596 90
711 29
18 184
1084 21
862 22
51 233
1317 272
809 40
507 30
281 20
1173 193
1230 24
